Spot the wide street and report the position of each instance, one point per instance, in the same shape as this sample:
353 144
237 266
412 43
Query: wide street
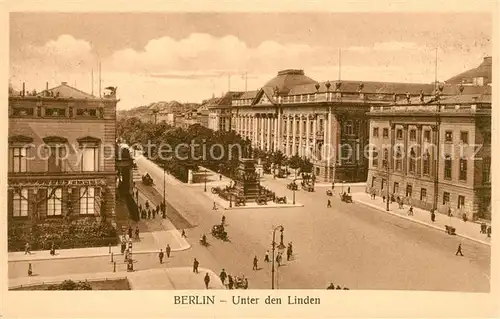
351 245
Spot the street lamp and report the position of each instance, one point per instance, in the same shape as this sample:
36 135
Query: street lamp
164 185
293 191
205 179
281 247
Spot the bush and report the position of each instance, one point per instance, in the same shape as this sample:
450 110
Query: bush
70 285
74 234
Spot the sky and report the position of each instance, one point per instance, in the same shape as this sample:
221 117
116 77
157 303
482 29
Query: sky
189 57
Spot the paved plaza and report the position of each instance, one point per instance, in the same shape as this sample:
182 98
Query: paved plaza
352 245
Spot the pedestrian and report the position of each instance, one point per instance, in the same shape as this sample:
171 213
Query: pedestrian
266 257
195 265
27 249
291 247
137 232
140 208
147 204
214 207
329 204
223 220
255 261
459 250
52 250
149 213
246 283
168 250
333 186
288 253
160 256
433 215
332 286
230 282
488 231
383 199
30 270
206 280
183 234
410 211
223 276
349 190
278 259
153 213
125 258
449 212
220 177
158 209
129 231
123 246
137 194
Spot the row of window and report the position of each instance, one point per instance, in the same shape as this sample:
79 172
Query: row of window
88 160
54 203
423 193
448 135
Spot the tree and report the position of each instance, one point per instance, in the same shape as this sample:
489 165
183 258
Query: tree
294 162
306 166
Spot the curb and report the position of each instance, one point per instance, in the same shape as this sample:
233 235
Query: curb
421 222
96 255
264 206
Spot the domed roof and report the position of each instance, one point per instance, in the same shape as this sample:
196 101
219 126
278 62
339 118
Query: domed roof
484 70
287 79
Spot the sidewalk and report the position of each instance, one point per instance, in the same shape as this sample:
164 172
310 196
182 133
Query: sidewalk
468 230
179 278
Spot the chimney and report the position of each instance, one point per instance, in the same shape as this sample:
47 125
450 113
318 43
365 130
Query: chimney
64 83
24 89
46 86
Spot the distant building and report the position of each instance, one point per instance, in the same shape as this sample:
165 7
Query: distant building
481 75
61 156
219 111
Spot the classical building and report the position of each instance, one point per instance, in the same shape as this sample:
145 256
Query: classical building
324 121
434 152
61 157
219 111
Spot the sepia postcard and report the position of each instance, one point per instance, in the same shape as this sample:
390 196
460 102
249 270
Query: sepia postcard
187 160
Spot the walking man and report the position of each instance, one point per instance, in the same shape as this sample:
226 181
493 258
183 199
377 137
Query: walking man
195 265
160 256
433 215
278 259
183 234
137 232
348 189
255 260
223 276
329 204
333 186
214 207
206 280
168 249
459 250
230 282
266 257
27 249
129 231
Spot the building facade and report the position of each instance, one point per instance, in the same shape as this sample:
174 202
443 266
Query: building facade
434 152
61 157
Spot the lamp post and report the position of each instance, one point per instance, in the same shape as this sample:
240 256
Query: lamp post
205 179
164 185
281 246
293 192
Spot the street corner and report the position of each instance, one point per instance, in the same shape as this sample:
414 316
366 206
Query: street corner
185 278
171 237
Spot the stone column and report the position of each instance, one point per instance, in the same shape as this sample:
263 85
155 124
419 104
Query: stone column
275 132
294 134
419 150
287 134
261 130
269 132
301 133
278 132
254 130
405 149
329 148
308 132
314 135
325 138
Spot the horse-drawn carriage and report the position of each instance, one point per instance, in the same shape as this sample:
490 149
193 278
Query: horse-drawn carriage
147 180
216 190
292 186
329 192
240 282
261 200
280 200
308 187
219 232
346 198
239 201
